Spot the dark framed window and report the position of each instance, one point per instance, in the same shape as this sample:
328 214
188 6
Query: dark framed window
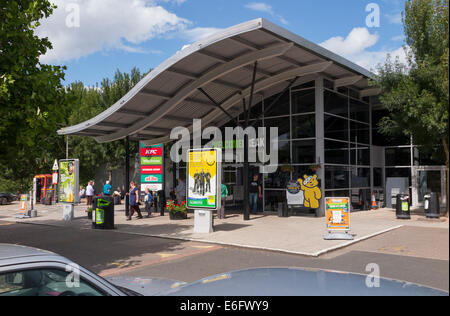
335 103
284 151
359 155
283 124
278 179
377 177
304 126
336 152
359 111
282 107
359 133
360 177
337 177
399 173
398 156
335 127
303 151
304 101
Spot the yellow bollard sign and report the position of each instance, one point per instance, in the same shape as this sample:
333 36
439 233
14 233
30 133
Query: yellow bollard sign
23 203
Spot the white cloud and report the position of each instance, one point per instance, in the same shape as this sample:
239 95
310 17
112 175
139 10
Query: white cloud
394 18
265 8
105 25
198 33
356 45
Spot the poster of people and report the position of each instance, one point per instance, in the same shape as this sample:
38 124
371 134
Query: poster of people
68 179
204 179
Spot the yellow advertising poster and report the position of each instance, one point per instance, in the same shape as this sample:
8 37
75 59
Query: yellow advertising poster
202 179
338 214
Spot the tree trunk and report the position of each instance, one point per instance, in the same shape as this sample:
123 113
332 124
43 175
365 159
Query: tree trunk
445 142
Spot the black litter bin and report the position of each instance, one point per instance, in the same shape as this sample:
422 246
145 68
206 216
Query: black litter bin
162 201
432 208
103 212
403 210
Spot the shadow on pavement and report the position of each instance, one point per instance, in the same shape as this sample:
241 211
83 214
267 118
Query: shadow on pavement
96 250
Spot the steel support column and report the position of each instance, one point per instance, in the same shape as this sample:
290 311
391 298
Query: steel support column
320 142
246 143
127 175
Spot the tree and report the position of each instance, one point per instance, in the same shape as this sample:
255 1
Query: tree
31 94
89 102
416 94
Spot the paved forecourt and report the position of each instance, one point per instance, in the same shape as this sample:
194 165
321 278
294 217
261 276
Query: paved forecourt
296 235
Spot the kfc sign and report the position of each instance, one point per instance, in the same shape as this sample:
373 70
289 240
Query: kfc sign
151 152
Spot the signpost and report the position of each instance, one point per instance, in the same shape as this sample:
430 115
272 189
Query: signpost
337 213
152 167
204 181
68 188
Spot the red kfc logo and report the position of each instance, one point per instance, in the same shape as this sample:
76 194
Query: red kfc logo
151 152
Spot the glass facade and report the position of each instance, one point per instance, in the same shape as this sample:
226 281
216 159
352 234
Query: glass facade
347 144
349 130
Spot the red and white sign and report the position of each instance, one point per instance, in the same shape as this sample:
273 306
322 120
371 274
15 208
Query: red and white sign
55 178
151 152
151 169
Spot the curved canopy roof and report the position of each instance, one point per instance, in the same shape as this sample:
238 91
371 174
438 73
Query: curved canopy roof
222 66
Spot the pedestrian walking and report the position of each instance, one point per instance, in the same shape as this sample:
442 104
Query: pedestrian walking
255 193
107 188
224 194
90 192
148 202
134 201
180 191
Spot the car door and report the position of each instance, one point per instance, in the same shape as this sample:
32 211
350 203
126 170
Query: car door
52 279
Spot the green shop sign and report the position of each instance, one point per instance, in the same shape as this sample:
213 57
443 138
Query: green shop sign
157 178
151 161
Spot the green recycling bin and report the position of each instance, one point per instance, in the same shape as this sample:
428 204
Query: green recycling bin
403 210
103 212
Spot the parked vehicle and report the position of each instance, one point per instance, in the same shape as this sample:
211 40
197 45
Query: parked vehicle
28 271
6 198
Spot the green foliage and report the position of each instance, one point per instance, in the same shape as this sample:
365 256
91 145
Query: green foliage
416 94
34 104
31 94
88 102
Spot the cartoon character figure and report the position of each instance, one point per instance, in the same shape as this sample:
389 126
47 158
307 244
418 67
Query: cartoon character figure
309 185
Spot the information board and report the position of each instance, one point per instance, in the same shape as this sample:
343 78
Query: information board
338 214
68 179
204 179
152 167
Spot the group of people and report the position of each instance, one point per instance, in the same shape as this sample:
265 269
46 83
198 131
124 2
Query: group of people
202 182
87 193
202 185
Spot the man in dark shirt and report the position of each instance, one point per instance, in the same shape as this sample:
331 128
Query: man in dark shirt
255 193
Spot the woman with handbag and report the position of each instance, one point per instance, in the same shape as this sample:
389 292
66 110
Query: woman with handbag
134 201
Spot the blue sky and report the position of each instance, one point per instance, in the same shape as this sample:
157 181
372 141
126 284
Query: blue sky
93 38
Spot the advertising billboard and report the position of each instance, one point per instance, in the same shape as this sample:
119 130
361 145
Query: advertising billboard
152 167
338 214
204 179
68 180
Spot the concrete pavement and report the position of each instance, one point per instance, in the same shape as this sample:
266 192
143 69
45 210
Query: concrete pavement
111 254
294 235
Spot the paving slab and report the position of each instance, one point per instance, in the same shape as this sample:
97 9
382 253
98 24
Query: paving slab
296 235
